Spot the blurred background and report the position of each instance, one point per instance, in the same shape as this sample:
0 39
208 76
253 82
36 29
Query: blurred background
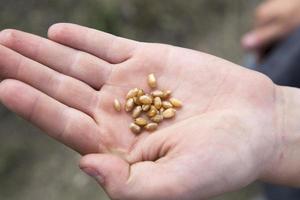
32 166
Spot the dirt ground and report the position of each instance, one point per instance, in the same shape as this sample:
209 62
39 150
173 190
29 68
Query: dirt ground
33 166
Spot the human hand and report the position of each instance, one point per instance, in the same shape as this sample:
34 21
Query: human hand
223 138
274 19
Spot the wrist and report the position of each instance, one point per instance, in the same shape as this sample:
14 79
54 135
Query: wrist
284 165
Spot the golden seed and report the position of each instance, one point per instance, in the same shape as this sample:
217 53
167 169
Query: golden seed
129 105
135 128
152 81
152 112
166 94
146 99
140 93
141 121
151 127
176 103
132 93
169 113
167 104
145 107
148 110
157 103
157 93
157 118
137 111
117 105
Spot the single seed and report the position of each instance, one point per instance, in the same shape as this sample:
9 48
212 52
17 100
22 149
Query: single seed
129 105
137 112
135 128
157 93
157 118
167 104
140 93
141 121
152 81
146 99
151 127
169 113
157 103
132 93
176 103
152 112
166 94
117 105
146 107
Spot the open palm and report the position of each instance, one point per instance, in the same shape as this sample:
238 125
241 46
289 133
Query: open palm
212 146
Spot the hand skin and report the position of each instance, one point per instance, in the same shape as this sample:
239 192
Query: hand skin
274 20
236 126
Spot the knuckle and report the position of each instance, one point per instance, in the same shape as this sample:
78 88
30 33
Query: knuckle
80 60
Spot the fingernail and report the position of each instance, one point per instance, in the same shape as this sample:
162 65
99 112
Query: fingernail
94 173
249 40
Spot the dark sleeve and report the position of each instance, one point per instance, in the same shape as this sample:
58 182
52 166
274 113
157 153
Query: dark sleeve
282 64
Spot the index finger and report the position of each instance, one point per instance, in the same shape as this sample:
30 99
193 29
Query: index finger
108 47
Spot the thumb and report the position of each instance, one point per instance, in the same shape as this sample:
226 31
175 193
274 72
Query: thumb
110 171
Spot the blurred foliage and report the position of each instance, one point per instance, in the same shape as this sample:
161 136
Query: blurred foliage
34 167
210 25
